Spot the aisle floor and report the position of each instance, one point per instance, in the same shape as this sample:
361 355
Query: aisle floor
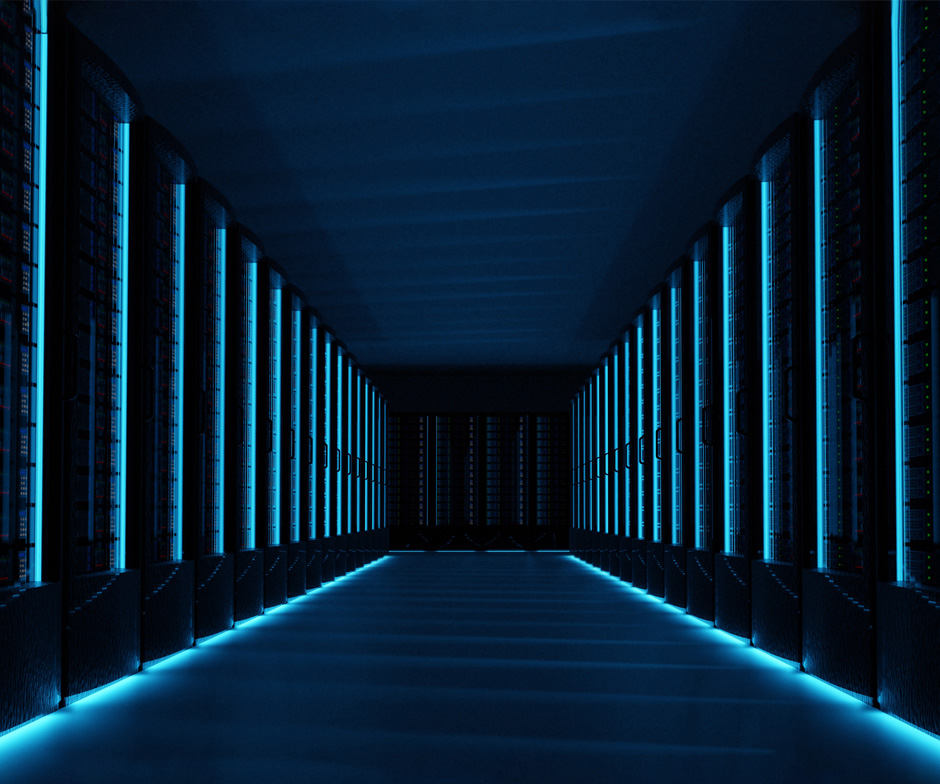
470 667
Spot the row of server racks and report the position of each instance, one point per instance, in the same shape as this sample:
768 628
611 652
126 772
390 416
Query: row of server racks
479 469
183 442
759 445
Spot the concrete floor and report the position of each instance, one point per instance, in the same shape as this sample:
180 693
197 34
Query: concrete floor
470 667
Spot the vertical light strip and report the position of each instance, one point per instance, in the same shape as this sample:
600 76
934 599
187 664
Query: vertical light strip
616 408
818 245
180 342
358 479
726 239
640 495
697 402
674 387
627 445
274 455
899 402
351 498
327 432
252 394
313 420
296 386
339 441
606 459
41 114
767 392
125 137
218 545
655 337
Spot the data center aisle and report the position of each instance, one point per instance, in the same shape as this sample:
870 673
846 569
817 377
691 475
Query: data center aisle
470 667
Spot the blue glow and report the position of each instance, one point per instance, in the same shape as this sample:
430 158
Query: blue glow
351 498
640 489
327 433
726 238
358 428
697 403
675 392
817 224
296 333
605 408
178 392
339 440
220 402
627 444
314 428
899 401
274 456
655 338
125 138
767 391
40 114
252 402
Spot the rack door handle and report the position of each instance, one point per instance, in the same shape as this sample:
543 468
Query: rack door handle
639 450
679 436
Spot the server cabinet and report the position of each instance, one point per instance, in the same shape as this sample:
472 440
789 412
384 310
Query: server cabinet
244 286
627 455
740 438
700 560
552 466
30 609
654 406
87 344
368 433
642 508
349 454
908 620
159 170
612 460
329 475
208 217
838 594
782 207
271 366
677 432
457 453
506 474
315 451
603 476
342 461
294 466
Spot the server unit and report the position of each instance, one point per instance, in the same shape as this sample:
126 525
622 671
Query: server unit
330 484
30 604
612 463
627 455
314 449
206 518
907 600
740 438
294 465
700 560
784 415
839 585
156 336
654 407
642 453
243 500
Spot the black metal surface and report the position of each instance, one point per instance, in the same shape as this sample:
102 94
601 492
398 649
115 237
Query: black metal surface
638 556
674 564
275 575
838 641
215 594
327 561
775 609
313 564
167 610
249 584
102 631
296 568
485 537
908 641
655 572
700 571
626 559
732 594
31 630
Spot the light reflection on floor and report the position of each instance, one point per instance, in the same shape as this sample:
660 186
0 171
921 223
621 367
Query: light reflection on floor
471 667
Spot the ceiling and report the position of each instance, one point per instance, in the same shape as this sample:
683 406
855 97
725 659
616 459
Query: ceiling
470 185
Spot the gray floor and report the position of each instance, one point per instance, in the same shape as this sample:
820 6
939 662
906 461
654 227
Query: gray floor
470 667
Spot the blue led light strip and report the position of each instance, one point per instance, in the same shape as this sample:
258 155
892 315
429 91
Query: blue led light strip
817 226
339 441
351 498
697 267
252 402
900 414
604 462
327 433
121 544
656 336
674 392
177 436
297 337
313 424
626 444
616 452
640 495
217 546
726 240
40 115
767 392
274 462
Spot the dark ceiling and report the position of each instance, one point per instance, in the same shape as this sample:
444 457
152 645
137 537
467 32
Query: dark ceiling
471 185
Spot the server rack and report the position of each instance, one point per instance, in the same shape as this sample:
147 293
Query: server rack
294 465
30 603
552 463
330 484
603 476
342 461
208 217
86 343
782 206
349 454
677 431
627 455
244 500
700 563
740 435
159 170
907 617
457 451
368 455
641 465
506 473
654 406
315 451
839 593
